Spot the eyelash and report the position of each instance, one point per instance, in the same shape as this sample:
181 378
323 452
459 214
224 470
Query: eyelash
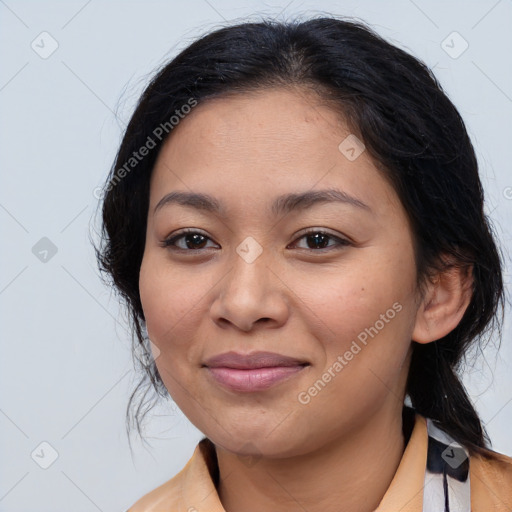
170 242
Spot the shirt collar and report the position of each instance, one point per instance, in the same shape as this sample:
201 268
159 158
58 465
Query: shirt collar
405 492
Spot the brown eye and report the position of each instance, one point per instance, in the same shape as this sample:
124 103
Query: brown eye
319 240
191 241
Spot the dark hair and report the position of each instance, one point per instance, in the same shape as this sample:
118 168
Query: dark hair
410 128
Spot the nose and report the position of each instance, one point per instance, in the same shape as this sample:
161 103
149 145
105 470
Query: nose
251 292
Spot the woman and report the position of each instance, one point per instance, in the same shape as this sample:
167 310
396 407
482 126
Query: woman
295 219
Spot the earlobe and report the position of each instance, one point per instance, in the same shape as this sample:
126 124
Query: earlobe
444 304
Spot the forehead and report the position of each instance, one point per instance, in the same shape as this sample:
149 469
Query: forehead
262 120
263 144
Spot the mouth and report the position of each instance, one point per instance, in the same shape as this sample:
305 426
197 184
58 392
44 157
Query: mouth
252 361
253 372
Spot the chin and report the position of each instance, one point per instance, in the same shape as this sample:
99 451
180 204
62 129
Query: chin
248 443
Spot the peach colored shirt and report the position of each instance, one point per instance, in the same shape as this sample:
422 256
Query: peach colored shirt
193 490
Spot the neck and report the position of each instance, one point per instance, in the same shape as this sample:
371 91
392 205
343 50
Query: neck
349 474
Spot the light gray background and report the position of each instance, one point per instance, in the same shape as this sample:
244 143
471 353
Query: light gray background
66 370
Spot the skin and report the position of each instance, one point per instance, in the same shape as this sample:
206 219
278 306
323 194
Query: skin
341 450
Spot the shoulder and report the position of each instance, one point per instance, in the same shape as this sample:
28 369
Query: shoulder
491 481
165 497
195 483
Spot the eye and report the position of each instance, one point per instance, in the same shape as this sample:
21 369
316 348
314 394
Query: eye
193 240
318 239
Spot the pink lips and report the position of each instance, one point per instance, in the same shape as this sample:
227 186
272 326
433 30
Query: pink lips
252 372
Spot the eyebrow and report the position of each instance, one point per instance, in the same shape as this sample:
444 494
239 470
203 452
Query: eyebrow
283 204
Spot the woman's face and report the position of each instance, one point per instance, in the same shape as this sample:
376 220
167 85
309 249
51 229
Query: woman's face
340 305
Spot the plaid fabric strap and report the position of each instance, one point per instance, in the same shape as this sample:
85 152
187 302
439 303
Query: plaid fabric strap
446 486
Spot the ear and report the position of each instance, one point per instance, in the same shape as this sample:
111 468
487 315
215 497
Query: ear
445 301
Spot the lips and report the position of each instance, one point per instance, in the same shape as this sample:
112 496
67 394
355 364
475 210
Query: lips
251 361
252 372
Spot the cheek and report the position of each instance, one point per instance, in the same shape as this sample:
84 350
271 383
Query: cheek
344 302
169 298
364 313
156 303
166 310
175 306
